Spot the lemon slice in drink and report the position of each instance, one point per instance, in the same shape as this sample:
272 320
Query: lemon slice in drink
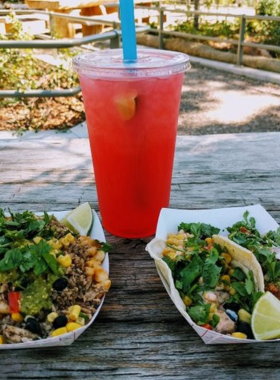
265 320
80 219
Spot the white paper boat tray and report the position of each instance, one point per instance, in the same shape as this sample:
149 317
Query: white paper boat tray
168 222
69 338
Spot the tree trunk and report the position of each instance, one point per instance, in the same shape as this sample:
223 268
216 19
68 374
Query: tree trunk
196 17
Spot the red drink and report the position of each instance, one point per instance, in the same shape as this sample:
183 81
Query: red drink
132 123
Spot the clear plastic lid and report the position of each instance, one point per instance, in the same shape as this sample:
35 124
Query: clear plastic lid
150 63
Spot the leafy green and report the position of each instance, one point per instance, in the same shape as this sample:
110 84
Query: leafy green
106 247
211 272
199 230
245 233
200 313
43 258
11 260
238 274
171 263
190 273
274 237
214 321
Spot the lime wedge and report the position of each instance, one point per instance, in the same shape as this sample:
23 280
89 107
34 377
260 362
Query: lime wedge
265 321
80 219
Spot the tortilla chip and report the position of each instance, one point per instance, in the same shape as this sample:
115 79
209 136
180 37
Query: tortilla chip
242 258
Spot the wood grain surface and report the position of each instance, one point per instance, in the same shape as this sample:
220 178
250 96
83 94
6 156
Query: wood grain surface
139 333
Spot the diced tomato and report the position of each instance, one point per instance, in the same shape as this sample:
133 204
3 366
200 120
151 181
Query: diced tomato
207 326
14 298
243 229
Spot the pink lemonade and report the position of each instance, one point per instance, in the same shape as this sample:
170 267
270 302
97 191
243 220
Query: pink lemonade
132 123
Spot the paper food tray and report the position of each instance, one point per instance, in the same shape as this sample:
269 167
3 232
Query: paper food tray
168 222
69 338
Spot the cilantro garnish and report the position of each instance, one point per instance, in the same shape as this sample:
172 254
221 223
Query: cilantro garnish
36 257
200 313
245 233
199 230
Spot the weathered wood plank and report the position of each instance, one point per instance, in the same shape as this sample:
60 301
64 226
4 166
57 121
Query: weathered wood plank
139 332
154 350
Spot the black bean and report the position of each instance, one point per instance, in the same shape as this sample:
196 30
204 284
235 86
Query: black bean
60 321
244 328
33 325
60 284
232 314
232 306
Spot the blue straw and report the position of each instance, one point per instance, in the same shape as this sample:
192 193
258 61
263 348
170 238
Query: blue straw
128 30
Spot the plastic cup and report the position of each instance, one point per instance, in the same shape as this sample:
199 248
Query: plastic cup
132 114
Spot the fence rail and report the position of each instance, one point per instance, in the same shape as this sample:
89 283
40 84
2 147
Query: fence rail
240 42
113 36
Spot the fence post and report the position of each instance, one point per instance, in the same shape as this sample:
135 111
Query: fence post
160 34
241 40
115 42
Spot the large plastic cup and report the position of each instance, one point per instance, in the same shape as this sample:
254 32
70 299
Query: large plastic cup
132 114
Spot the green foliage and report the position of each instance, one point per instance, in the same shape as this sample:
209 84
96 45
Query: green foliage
20 70
206 28
260 31
269 7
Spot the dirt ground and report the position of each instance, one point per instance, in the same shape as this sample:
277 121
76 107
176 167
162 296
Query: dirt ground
215 101
212 102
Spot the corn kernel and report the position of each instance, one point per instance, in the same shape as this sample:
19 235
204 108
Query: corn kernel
227 257
239 335
51 317
100 256
226 279
180 236
81 321
213 308
166 251
187 300
230 272
172 241
65 261
74 313
232 291
60 331
209 241
2 339
37 239
172 255
171 236
100 274
67 240
55 244
71 326
244 316
17 317
70 238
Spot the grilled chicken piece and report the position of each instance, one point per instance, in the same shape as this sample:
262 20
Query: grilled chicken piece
17 335
225 325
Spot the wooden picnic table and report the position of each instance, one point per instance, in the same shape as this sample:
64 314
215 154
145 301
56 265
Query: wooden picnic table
95 8
139 333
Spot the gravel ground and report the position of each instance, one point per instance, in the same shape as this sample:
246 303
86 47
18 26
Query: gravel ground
215 101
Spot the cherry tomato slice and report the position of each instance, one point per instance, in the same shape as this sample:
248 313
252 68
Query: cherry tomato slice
207 326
